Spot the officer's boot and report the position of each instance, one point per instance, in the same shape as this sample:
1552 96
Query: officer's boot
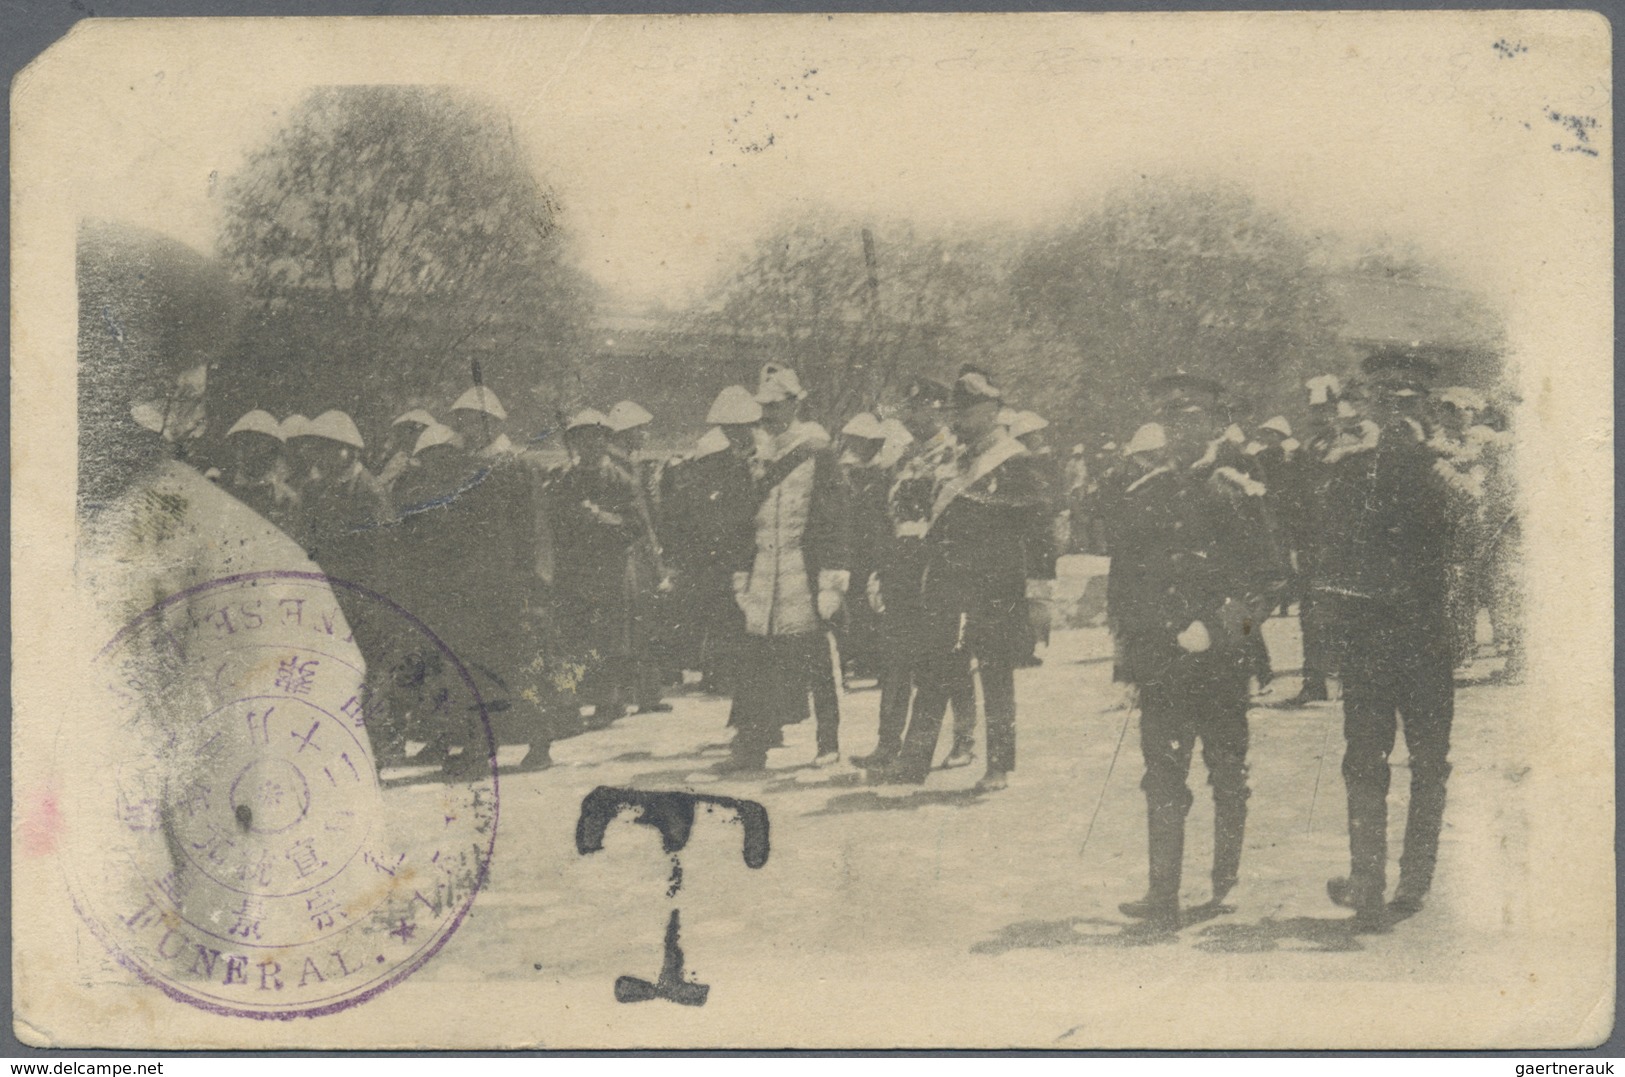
1422 828
1362 890
1166 842
1229 829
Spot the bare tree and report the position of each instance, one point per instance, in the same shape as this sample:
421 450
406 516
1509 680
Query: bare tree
1166 276
397 244
857 310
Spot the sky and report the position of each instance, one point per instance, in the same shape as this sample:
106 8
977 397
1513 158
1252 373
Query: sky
674 143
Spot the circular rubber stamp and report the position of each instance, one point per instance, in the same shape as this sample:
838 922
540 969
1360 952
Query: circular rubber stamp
234 844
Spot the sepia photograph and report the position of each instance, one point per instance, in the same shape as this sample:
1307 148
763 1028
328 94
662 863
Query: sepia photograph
867 531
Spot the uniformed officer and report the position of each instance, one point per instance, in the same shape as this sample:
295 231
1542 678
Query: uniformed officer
867 485
1028 428
1388 572
796 581
1192 570
1311 526
709 514
477 416
396 455
596 524
647 579
986 553
926 461
255 465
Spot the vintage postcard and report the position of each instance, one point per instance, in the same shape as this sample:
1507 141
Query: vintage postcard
862 531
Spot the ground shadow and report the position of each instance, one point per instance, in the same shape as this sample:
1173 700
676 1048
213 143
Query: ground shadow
1074 931
1322 936
1096 931
868 800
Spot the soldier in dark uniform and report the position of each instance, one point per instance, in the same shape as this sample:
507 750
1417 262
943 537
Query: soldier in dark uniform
647 582
894 586
1313 524
1028 428
987 549
461 553
867 484
1192 570
596 525
710 514
1388 571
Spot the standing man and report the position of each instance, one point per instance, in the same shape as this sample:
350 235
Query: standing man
646 579
893 588
595 527
986 550
710 513
1028 428
1313 527
1389 573
795 582
866 486
1191 571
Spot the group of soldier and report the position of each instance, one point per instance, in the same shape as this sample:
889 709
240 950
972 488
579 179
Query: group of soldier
1374 527
919 550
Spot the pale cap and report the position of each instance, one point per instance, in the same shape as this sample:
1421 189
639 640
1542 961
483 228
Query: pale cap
335 425
734 406
1148 438
1459 396
296 426
864 425
257 422
895 432
416 415
1027 422
1279 425
1323 388
500 446
711 442
432 436
480 398
627 415
586 417
778 382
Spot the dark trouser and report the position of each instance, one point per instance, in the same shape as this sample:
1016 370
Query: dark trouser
1317 616
776 674
1198 697
993 643
897 690
826 699
1395 671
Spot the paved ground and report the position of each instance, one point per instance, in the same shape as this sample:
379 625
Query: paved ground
900 915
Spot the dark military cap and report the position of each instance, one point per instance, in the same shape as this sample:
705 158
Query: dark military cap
925 393
1402 368
975 386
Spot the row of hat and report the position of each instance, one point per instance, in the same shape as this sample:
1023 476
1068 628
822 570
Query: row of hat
333 425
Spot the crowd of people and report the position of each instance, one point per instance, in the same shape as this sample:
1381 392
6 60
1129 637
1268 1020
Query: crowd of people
776 563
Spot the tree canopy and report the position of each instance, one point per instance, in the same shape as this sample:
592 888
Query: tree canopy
856 309
397 244
1167 276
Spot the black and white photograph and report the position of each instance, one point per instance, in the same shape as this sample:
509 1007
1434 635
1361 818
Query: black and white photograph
855 532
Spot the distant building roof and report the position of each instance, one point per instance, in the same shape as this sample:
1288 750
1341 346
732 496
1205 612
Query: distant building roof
1394 310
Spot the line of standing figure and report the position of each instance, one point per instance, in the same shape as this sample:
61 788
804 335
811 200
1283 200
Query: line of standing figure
1201 556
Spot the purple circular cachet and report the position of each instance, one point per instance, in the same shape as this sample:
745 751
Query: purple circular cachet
234 842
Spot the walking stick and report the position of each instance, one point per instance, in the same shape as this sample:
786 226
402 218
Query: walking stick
1121 736
1319 768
